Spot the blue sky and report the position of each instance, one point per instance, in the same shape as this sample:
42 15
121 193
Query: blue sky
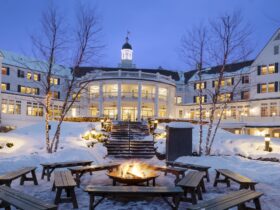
156 26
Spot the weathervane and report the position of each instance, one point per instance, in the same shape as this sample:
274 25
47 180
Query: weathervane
128 33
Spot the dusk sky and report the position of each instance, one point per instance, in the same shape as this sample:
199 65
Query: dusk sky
156 26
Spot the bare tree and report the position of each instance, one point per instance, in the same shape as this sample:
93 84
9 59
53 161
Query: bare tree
50 45
230 45
194 50
87 47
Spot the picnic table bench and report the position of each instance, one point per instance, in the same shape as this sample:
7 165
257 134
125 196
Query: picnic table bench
234 199
193 184
11 197
63 180
177 171
134 191
9 177
191 166
48 168
243 181
80 171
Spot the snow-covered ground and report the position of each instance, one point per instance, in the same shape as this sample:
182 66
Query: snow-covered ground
227 143
29 150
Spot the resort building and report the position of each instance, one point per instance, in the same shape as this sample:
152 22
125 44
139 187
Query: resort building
249 99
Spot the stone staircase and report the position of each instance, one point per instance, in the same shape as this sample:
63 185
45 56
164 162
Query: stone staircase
127 141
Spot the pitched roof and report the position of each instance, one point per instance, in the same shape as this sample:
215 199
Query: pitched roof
20 61
233 67
230 70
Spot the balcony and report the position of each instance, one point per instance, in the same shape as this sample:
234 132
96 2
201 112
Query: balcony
130 75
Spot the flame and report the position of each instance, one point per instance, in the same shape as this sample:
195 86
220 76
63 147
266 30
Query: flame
134 169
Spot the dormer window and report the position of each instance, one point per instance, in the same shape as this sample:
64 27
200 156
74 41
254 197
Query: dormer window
276 50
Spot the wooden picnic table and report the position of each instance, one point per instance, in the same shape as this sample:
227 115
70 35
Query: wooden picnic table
9 177
191 166
48 168
192 184
134 191
177 171
11 197
78 172
243 181
63 180
234 199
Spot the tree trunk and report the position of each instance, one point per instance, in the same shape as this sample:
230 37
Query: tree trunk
47 129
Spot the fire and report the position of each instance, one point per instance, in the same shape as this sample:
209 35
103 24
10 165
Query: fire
134 169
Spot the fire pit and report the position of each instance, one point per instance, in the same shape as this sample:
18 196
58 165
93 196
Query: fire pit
133 173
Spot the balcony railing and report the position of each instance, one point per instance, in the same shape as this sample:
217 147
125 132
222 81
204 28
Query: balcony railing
132 75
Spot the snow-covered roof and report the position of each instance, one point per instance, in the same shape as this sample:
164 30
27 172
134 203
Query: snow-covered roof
21 61
231 70
180 125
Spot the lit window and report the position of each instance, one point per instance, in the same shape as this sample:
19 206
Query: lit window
263 88
224 97
56 94
263 70
36 77
29 75
199 86
179 100
5 86
74 96
34 109
54 81
5 71
271 69
271 87
197 99
180 113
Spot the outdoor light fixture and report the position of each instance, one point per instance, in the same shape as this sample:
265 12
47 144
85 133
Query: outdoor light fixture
267 143
102 123
155 124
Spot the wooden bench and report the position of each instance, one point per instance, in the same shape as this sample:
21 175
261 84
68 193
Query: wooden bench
134 191
63 180
11 197
193 184
80 171
9 177
234 199
191 166
243 181
48 168
177 171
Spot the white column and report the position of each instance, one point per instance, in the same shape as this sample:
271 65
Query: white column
119 104
139 108
100 99
156 102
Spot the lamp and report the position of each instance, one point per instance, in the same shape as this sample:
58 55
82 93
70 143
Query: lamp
267 143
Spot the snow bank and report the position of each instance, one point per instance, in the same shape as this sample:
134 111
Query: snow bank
227 143
29 146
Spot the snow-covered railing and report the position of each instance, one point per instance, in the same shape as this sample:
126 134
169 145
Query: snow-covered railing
132 75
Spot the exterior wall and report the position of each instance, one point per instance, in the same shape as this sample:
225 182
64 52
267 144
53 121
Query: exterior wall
266 57
138 99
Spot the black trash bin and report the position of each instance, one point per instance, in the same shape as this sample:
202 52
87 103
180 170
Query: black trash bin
178 140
